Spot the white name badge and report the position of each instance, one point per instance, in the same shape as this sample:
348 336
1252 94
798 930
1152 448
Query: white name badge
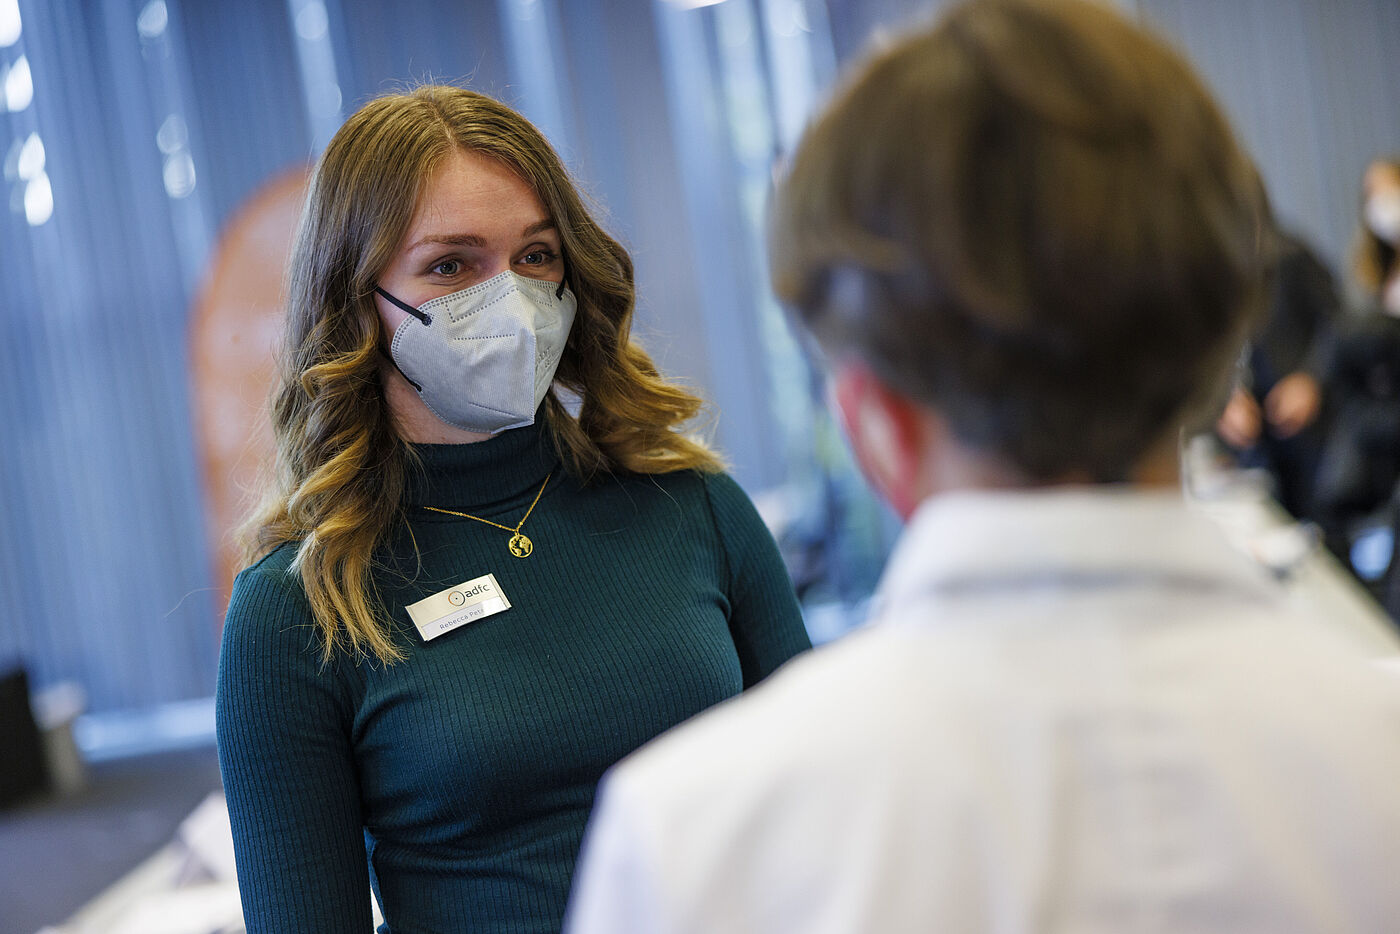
456 606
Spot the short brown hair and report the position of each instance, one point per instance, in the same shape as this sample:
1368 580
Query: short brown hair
1033 217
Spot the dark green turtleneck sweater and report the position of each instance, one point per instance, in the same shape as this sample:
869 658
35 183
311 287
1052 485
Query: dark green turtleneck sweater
468 770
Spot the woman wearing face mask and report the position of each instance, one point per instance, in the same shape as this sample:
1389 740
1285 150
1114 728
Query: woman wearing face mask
1375 263
468 598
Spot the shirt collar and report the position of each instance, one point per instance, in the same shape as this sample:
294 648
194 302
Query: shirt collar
969 541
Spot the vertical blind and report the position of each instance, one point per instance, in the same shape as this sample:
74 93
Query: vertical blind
150 121
131 130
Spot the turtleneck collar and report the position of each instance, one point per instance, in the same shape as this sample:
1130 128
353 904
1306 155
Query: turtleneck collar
509 466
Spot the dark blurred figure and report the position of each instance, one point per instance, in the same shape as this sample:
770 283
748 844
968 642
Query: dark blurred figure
1358 482
1275 419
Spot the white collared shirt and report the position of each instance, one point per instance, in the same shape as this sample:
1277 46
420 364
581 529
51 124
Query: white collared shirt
1077 711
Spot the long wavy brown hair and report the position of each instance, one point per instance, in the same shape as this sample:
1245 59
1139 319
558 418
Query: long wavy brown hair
340 474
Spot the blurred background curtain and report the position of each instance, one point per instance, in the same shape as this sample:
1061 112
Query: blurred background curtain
133 130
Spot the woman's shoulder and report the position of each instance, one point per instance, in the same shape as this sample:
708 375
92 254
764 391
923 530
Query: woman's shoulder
272 566
720 485
269 588
728 501
725 506
703 487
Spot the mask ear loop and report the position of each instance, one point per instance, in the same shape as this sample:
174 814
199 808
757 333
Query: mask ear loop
563 283
420 315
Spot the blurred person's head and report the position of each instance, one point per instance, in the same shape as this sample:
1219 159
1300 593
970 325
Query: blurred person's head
1375 262
1026 240
343 449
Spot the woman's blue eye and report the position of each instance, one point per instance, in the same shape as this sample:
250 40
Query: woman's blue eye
448 267
537 258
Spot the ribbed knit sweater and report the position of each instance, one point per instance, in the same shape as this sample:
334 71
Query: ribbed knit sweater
467 772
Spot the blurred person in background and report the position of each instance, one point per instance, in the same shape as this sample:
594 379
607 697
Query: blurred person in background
1376 255
1359 476
1029 248
1275 419
467 598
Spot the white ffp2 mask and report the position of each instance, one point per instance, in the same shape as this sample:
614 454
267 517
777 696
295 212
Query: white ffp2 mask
483 358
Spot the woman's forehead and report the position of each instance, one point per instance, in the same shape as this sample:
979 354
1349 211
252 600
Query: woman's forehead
472 195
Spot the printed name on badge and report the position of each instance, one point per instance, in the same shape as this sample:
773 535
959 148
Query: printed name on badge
454 607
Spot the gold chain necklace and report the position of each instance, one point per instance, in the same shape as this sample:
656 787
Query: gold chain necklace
520 545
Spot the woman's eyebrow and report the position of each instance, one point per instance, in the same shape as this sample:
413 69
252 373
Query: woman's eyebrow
449 240
475 240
